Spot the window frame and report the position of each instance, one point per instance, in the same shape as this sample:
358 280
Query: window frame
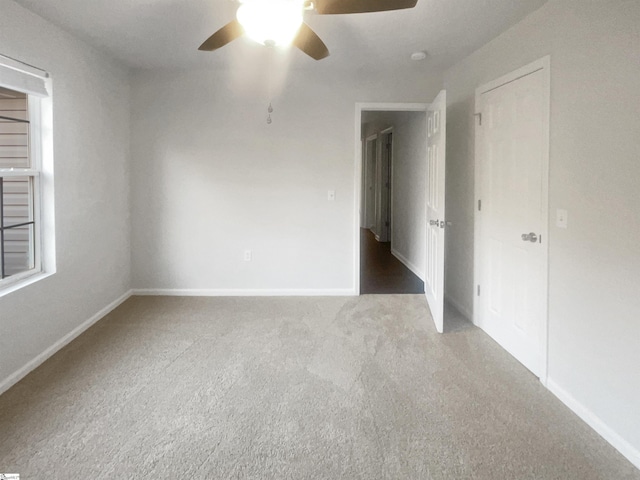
40 171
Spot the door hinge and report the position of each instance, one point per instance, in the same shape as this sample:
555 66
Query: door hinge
479 205
479 115
478 290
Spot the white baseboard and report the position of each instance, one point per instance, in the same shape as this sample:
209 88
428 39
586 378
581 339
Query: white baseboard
15 377
419 273
591 419
466 313
171 292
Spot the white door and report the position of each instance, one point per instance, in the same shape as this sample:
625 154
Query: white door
370 182
384 188
511 216
436 163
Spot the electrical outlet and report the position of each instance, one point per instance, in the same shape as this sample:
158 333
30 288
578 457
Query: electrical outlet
247 255
561 218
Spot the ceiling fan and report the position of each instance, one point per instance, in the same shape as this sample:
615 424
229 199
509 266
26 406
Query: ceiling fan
280 22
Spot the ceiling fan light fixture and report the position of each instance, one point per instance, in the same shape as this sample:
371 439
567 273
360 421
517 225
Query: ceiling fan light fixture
280 22
271 22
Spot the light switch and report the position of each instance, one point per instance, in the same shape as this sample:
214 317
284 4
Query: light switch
331 195
561 218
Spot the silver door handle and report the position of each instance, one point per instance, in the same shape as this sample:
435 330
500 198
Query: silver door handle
529 237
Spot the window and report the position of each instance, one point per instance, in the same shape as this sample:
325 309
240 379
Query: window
22 174
17 220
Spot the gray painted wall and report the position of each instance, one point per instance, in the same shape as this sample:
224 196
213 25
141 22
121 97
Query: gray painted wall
211 178
410 187
91 155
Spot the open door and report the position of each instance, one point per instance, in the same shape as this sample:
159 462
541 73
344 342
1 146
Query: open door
383 231
370 182
436 163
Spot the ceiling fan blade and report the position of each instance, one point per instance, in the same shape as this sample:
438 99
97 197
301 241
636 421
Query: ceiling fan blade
310 43
226 34
330 7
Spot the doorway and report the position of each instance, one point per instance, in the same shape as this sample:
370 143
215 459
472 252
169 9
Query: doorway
426 177
511 247
392 200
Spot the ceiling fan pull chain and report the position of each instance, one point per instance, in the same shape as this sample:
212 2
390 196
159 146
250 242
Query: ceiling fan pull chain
270 85
269 112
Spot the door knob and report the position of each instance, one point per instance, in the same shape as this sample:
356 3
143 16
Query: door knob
529 237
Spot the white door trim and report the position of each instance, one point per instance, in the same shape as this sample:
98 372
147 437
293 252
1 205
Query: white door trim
357 179
543 64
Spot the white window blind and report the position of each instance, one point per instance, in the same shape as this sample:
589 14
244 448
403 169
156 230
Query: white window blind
24 78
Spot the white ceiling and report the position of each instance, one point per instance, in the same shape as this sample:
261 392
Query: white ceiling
167 33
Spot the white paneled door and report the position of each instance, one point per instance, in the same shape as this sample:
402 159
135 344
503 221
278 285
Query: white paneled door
436 164
370 182
511 214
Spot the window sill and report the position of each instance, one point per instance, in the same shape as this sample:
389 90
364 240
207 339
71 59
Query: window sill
23 282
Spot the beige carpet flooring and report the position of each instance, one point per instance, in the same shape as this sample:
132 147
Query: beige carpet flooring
297 388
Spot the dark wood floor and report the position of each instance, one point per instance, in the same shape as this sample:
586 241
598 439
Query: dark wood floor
381 272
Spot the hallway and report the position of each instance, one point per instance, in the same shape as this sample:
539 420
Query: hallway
381 272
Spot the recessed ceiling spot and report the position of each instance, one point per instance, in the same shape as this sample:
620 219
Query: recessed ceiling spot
418 56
